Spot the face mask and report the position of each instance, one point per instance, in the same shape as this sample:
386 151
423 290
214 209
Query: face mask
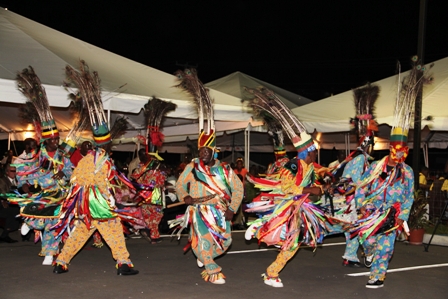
399 153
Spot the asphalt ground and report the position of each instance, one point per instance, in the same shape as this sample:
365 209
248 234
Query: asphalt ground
166 272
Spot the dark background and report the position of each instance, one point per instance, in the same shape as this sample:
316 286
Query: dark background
312 48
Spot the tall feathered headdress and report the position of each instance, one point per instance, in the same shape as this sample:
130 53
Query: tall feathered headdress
155 110
30 86
79 113
364 122
29 115
268 101
189 81
274 129
89 87
408 89
119 127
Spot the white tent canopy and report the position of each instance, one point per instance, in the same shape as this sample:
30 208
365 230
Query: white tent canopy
332 114
234 84
126 84
25 42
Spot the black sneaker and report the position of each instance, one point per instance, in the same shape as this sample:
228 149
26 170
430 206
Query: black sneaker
145 235
374 284
59 269
368 259
126 270
156 241
352 264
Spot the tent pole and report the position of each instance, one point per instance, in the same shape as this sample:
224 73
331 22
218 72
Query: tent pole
15 149
233 148
318 154
9 141
347 148
419 99
348 142
247 146
108 118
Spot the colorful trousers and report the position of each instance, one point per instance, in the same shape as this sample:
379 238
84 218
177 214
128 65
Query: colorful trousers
112 233
50 244
351 248
152 215
382 246
282 258
205 248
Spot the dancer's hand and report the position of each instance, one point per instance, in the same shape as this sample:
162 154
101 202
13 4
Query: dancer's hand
188 200
229 215
363 210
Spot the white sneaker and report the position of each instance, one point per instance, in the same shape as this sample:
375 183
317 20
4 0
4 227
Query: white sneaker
219 281
200 264
273 282
24 229
48 260
250 231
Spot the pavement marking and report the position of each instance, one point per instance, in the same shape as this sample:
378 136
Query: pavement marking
275 248
401 269
252 250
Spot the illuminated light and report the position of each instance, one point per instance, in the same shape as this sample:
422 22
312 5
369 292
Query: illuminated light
28 135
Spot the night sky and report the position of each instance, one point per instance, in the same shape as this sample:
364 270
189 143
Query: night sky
313 48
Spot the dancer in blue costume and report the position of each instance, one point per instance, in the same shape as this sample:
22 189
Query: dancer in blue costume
357 162
48 171
386 191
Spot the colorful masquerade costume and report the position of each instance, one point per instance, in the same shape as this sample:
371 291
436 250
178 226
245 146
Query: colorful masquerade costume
150 171
353 170
92 204
389 189
293 219
41 209
216 188
91 201
386 191
39 173
365 126
152 202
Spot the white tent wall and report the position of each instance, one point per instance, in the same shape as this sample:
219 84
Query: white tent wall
347 140
332 114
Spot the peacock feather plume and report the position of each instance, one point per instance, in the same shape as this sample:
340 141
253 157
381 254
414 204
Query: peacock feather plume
267 101
155 110
189 82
